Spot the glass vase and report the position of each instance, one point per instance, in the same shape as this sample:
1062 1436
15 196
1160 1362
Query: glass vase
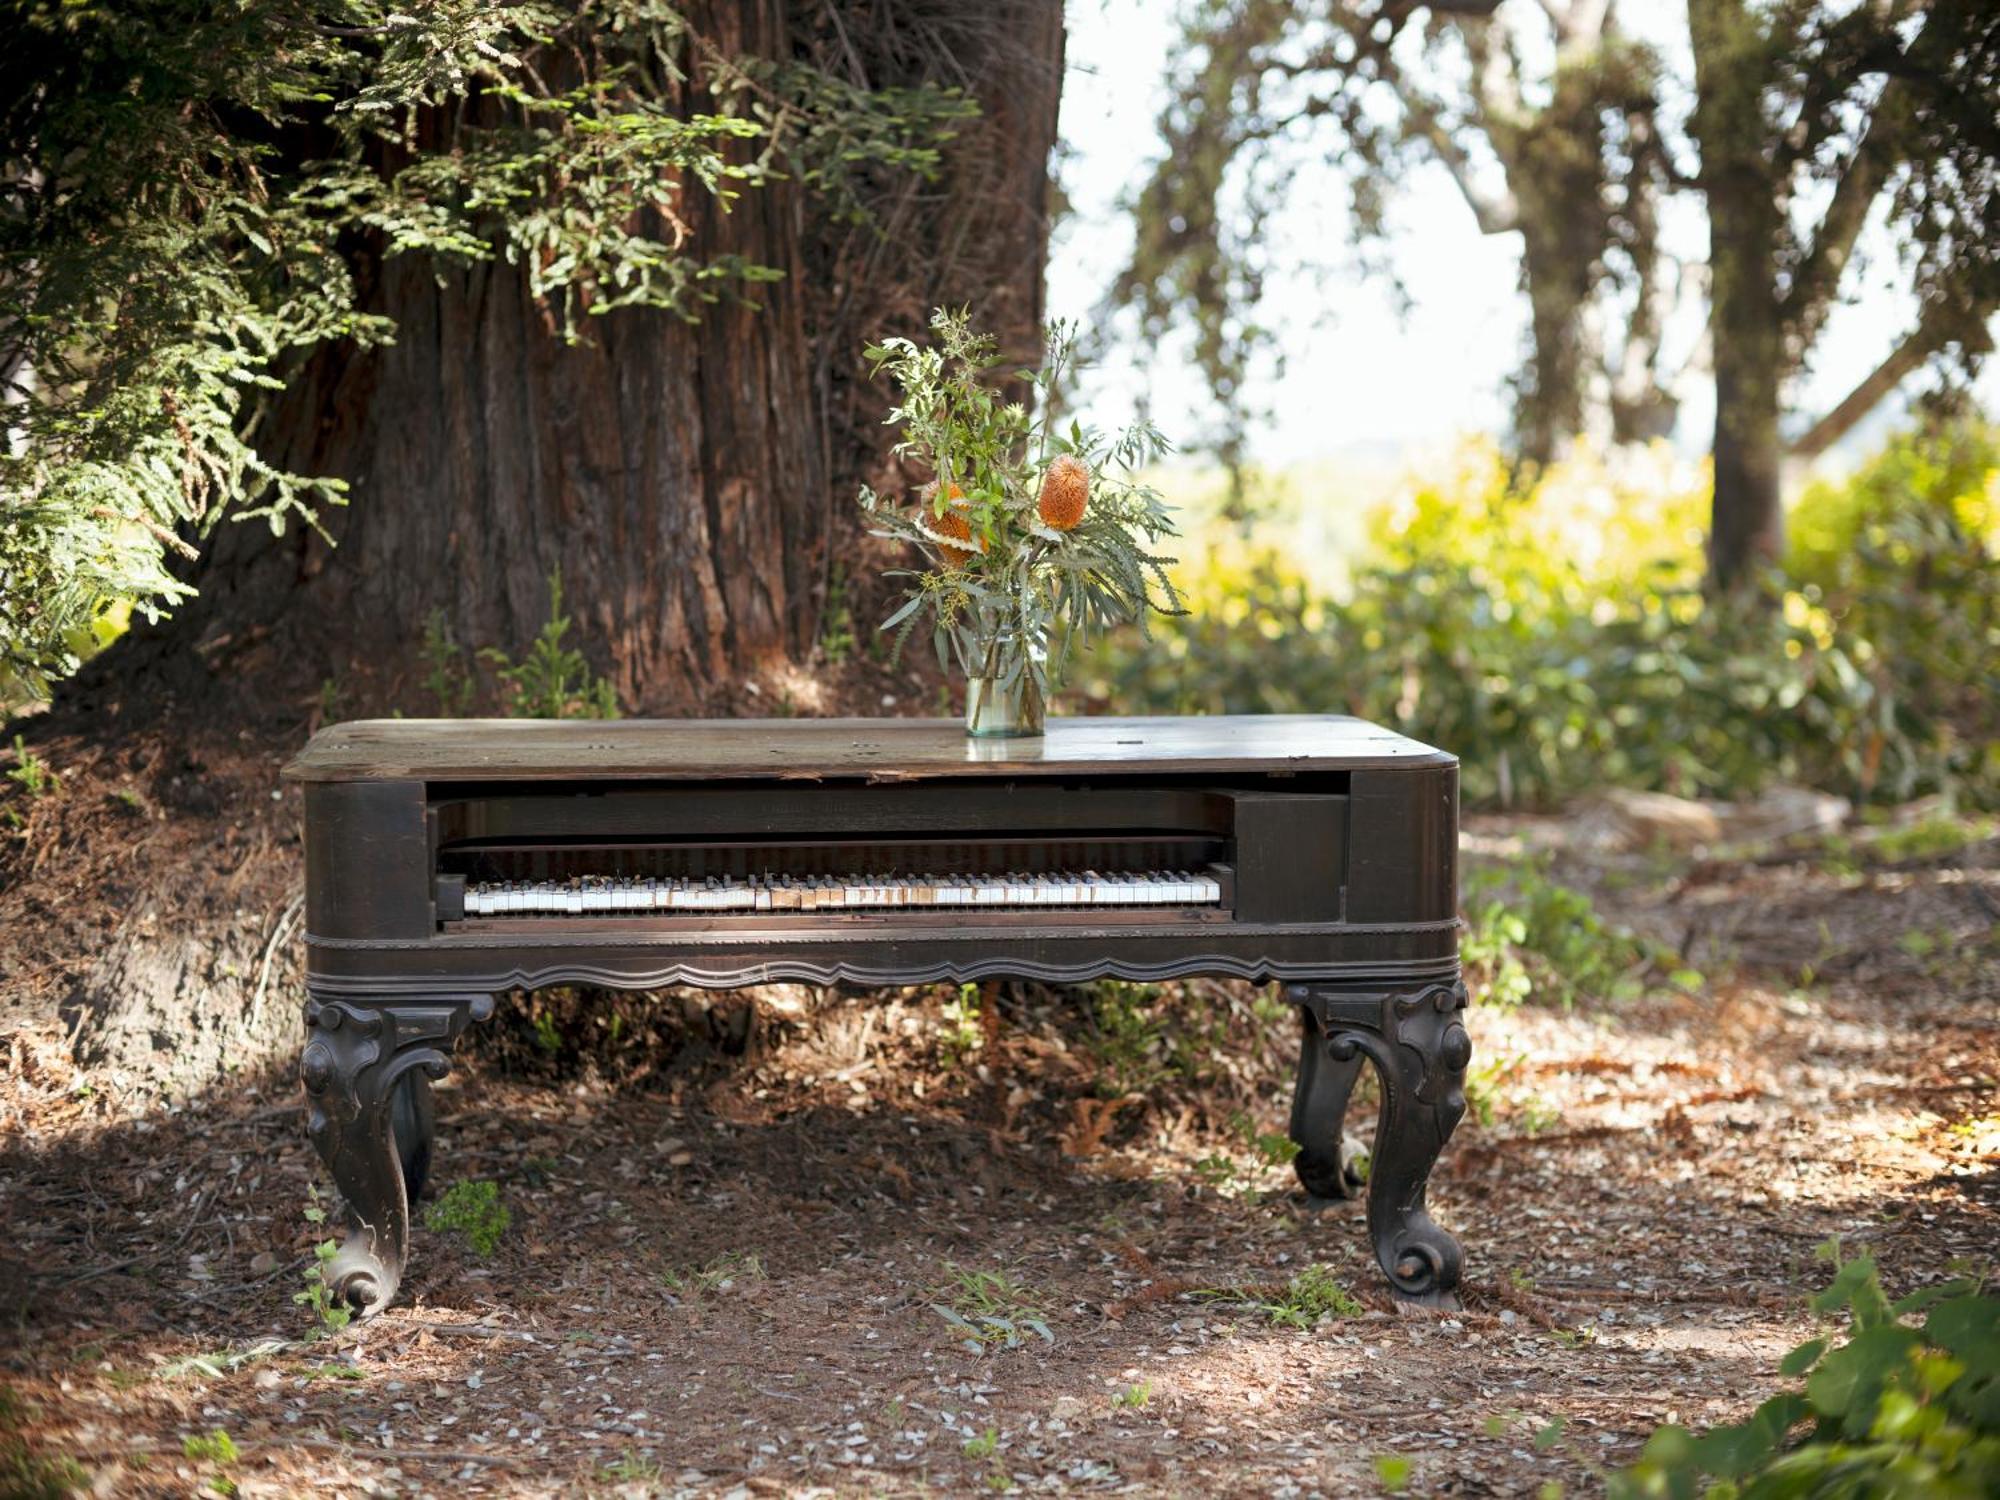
994 707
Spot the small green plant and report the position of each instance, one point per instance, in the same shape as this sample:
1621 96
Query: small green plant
1216 1171
1273 1148
215 1447
552 681
1896 1409
1235 1178
24 1473
1486 1095
27 1475
548 1036
719 1274
1134 1396
1393 1472
473 1210
984 1449
31 773
216 1363
1312 1294
632 1468
1491 953
1528 936
961 1035
445 676
836 620
1935 837
989 1310
331 1372
332 700
1128 1037
330 1314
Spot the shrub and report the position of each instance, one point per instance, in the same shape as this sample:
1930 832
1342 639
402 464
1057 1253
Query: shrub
1528 936
1557 638
1894 1410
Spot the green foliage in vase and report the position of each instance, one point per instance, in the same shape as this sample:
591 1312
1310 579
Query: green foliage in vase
1007 594
195 196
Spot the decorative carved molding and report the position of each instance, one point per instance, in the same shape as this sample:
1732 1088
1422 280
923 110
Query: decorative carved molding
638 976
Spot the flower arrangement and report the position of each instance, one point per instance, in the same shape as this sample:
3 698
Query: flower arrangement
1034 538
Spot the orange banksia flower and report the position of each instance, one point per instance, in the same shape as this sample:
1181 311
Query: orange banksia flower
1065 490
952 523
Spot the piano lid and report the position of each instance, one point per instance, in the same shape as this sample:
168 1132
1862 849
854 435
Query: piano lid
812 749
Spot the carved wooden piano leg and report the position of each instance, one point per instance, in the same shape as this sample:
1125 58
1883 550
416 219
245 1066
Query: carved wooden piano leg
1418 1043
1327 1161
367 1068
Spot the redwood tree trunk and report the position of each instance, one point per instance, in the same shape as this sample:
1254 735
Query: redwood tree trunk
688 478
685 476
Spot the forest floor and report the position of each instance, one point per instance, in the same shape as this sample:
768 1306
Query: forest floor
733 1225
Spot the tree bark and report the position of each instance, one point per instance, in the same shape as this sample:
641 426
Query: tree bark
1559 275
685 476
689 479
1746 523
1746 216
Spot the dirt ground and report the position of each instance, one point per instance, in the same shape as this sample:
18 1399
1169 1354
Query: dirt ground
731 1231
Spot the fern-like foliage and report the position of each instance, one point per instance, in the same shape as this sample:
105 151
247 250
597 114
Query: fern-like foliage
1013 596
184 188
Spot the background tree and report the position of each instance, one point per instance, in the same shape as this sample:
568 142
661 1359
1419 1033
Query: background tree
1544 118
322 265
1808 118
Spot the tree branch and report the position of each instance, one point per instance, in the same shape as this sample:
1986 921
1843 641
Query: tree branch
1867 169
1496 213
1933 331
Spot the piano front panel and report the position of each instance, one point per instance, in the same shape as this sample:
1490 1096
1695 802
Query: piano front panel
675 857
368 860
1270 874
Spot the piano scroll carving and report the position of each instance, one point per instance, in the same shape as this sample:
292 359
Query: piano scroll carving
363 1066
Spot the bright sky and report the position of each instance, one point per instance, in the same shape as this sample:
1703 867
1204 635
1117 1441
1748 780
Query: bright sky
1359 380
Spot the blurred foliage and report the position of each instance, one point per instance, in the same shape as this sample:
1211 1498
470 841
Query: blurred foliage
1894 1410
474 1210
1528 936
1570 128
1557 637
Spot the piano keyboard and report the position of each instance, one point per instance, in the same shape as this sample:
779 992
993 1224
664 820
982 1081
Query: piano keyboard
603 894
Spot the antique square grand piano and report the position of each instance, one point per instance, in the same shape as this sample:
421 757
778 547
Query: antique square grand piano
448 861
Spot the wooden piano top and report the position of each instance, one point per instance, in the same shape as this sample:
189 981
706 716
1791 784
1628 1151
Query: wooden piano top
808 749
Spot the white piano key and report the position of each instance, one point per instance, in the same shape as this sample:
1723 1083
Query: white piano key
1006 890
